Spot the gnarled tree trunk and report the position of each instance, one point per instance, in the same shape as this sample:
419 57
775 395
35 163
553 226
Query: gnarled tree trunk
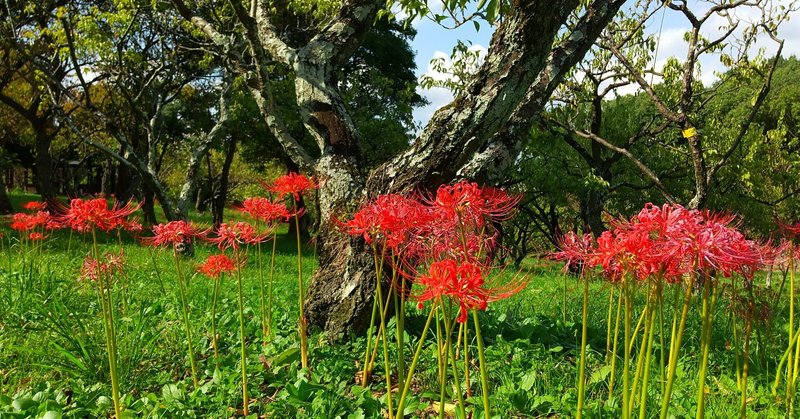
478 136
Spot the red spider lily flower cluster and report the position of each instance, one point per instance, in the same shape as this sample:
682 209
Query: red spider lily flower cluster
464 283
216 265
85 215
389 219
293 184
451 232
35 206
24 222
234 235
469 202
264 210
175 233
94 269
669 241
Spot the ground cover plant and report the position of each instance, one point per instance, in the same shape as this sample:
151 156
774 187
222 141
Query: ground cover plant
679 309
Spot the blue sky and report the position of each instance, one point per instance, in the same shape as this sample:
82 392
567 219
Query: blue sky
434 41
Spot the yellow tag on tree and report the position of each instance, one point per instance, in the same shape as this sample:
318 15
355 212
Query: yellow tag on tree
689 132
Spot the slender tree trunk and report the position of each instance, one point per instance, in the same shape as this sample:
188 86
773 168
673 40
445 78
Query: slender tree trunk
148 207
221 193
5 203
44 165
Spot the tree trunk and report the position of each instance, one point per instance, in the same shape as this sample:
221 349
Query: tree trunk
221 192
484 127
533 48
44 165
5 203
148 207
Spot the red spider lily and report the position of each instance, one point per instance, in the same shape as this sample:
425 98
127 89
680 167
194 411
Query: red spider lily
464 283
232 236
789 230
94 269
34 206
292 184
468 202
85 215
389 219
174 233
132 226
36 236
263 209
215 265
575 250
26 222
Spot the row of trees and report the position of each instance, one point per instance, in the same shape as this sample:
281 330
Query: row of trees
172 101
122 98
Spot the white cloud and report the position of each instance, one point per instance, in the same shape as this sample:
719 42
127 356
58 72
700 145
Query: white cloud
438 97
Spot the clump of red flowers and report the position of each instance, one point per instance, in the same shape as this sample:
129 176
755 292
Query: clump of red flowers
448 234
25 222
94 269
669 241
234 235
85 215
264 210
216 265
293 184
175 233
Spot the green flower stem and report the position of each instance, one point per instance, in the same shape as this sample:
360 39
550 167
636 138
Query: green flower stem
745 360
709 301
608 322
582 369
382 332
648 312
214 322
614 349
108 327
185 313
648 339
262 295
245 398
675 345
271 280
451 355
662 363
301 294
401 326
564 298
483 367
367 361
626 370
439 351
402 402
785 356
157 271
466 359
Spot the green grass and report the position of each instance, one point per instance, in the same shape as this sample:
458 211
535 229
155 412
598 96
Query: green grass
52 348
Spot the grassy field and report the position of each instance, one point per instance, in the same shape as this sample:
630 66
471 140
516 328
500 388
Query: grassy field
53 363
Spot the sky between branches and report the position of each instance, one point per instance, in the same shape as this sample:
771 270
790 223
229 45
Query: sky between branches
433 41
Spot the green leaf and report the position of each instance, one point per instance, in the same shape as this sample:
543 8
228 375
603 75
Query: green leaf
528 380
288 356
51 414
23 403
171 392
600 375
